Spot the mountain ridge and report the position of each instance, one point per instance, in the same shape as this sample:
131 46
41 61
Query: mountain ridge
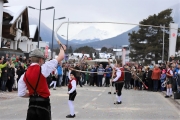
114 42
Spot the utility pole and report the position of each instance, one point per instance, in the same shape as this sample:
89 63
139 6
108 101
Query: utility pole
67 37
163 45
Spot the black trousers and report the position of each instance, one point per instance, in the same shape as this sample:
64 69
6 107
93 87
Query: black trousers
39 110
91 79
127 83
107 81
9 84
119 86
150 83
79 81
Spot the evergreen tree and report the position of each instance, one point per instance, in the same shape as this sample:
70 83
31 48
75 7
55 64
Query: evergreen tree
146 43
85 49
70 50
104 49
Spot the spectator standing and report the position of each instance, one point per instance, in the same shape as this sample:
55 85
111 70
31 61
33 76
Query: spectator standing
108 75
145 76
150 82
156 74
100 72
11 75
4 78
127 77
60 73
54 79
91 76
169 75
78 75
1 67
163 78
140 77
20 71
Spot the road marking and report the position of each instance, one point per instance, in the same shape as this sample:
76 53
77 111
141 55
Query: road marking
86 105
100 94
94 99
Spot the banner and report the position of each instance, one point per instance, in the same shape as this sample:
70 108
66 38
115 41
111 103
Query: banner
172 39
123 56
46 51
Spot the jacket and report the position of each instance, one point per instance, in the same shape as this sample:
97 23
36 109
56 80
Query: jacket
2 66
59 70
156 74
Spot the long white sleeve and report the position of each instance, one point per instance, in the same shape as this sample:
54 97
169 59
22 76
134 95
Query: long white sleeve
73 83
48 67
21 87
118 74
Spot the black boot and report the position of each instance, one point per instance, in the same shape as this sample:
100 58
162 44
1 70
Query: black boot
70 116
118 102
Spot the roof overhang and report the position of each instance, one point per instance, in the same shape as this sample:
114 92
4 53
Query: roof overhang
5 1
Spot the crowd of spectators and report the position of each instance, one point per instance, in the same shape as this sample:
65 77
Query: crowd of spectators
12 67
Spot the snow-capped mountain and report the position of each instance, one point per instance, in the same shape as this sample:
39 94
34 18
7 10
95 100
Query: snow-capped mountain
84 41
91 33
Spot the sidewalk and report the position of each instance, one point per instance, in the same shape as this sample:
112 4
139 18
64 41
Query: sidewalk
175 101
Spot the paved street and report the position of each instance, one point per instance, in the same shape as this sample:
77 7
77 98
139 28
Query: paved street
95 103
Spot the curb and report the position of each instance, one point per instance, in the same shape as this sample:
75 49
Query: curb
176 102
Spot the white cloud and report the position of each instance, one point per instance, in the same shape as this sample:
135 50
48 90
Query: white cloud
128 11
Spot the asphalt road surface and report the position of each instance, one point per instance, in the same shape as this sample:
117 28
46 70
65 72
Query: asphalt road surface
95 103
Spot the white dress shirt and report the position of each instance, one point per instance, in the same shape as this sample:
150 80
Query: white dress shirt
46 69
118 74
73 83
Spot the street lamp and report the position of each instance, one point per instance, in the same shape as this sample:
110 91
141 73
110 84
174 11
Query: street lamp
40 17
53 31
67 36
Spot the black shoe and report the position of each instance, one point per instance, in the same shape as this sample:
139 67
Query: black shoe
170 96
114 92
70 116
166 96
118 102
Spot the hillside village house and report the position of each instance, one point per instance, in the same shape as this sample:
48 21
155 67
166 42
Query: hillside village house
16 30
1 16
117 53
15 27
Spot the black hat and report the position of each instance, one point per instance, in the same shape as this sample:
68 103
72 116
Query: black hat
73 73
